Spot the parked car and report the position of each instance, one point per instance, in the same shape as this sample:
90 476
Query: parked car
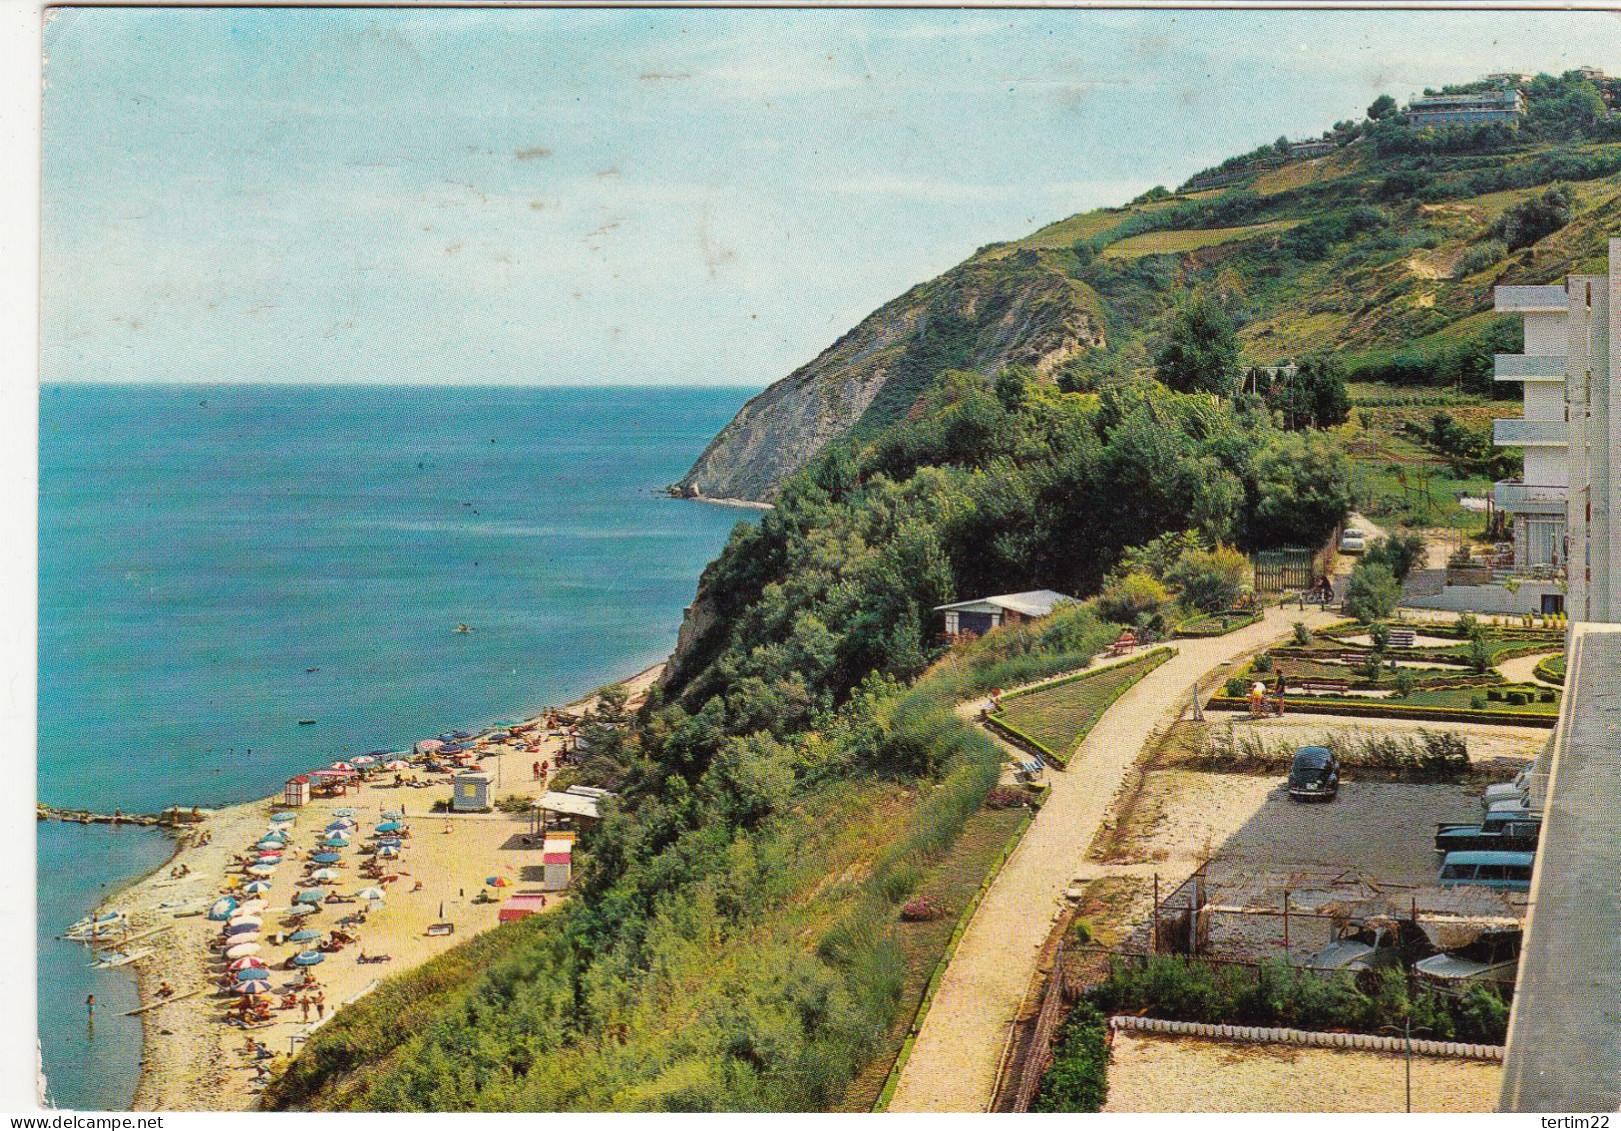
1492 959
1505 871
1510 830
1518 790
1372 944
1315 774
1353 542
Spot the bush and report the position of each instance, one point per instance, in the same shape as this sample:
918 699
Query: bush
1078 1079
1404 682
1398 552
1479 257
1302 634
1516 698
1210 580
1235 688
1372 592
1379 634
1133 599
922 909
1476 703
1530 220
1262 664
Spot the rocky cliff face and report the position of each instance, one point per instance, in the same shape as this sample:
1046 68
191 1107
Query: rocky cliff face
994 310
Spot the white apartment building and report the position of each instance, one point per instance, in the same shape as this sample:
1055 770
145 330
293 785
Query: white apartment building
1566 502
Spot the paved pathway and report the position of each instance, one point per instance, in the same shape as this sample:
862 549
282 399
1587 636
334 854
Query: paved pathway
953 1064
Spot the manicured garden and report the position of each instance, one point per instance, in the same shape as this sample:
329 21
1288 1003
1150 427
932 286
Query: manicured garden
1054 717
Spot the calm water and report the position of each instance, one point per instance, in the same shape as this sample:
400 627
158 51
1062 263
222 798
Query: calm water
201 549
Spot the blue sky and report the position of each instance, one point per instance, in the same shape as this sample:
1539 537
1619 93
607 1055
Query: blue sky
638 196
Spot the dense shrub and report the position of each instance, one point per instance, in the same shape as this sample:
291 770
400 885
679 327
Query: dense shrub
1078 1079
1372 592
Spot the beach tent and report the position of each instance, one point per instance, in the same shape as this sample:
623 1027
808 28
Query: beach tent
222 909
242 950
309 958
313 895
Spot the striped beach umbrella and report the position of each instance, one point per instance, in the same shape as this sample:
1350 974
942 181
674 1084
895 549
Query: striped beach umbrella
388 852
369 893
324 874
309 958
248 962
257 887
222 909
262 870
257 986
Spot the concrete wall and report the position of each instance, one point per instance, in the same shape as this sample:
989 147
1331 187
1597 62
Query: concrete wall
1491 599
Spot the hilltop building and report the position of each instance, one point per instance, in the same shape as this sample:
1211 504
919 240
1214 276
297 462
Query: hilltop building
1311 147
1505 105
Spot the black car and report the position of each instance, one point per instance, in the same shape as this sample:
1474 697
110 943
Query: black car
1315 775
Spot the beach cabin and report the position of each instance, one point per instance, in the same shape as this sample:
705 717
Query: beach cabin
977 617
557 856
296 791
472 792
572 805
521 907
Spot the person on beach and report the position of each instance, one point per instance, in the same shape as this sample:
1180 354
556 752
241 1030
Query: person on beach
537 771
320 1005
1280 686
304 1004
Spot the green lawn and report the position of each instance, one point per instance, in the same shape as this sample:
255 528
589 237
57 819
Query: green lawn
1058 717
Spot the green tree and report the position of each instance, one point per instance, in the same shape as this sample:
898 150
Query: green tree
1372 593
1200 354
1133 599
1304 486
1398 553
1382 107
1315 397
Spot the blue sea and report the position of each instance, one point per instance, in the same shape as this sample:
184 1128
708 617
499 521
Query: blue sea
203 548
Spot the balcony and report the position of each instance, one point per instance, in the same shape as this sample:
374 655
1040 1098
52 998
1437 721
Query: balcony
1531 300
1529 498
1523 367
1529 433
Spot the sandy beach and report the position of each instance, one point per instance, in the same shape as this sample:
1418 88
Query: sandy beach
192 1058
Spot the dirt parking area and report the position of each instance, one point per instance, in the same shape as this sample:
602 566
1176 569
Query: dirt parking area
1181 1074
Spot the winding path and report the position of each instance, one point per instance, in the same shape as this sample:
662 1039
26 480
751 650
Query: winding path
953 1064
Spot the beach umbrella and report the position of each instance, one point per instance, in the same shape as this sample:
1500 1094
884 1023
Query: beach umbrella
262 870
396 764
312 895
242 950
257 887
251 907
304 934
326 857
460 734
251 974
270 844
242 926
341 825
300 909
392 841
365 759
239 939
349 766
257 986
346 811
324 874
390 826
393 815
336 839
277 835
369 893
283 818
429 744
309 958
222 909
248 962
388 851
499 882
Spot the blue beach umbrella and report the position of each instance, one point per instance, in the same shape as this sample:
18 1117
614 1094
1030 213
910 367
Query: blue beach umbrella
346 811
390 827
336 840
283 818
304 934
388 842
311 896
242 928
222 909
309 958
251 974
393 815
326 857
257 887
388 851
257 986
